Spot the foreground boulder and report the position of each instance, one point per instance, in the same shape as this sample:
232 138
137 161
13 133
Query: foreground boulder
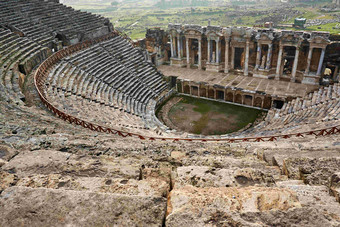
51 207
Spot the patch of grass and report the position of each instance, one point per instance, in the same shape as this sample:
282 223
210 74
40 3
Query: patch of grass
326 27
137 34
211 114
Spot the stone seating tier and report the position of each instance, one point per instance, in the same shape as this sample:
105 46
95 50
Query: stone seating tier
15 51
40 21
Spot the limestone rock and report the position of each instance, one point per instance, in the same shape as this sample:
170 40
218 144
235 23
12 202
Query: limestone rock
2 162
147 187
296 217
204 176
6 153
311 170
317 197
276 156
49 161
335 185
7 180
177 155
51 207
190 206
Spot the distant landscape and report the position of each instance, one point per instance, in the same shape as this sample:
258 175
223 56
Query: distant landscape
133 17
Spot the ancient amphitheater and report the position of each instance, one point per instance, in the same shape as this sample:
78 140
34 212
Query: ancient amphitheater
80 143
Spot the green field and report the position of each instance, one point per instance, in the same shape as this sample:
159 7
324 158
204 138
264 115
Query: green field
200 116
134 17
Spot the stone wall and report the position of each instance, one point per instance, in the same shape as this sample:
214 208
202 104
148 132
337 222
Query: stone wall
295 56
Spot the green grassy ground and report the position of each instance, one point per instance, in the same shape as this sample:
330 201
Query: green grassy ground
235 117
331 27
134 17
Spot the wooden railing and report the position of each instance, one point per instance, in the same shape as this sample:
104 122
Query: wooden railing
42 73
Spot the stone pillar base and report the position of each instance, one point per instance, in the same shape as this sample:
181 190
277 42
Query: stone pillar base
214 67
179 62
312 79
265 73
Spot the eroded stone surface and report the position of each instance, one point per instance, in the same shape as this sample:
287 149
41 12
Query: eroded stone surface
204 176
147 187
49 161
52 207
317 197
311 171
334 185
7 180
197 205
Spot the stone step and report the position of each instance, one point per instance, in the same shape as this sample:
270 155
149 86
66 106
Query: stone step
128 210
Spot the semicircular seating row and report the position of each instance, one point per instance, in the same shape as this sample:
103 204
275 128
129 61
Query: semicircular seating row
14 51
39 20
318 110
109 84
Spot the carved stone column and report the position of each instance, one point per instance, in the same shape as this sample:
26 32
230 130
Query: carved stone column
179 46
258 56
209 50
246 62
309 59
172 46
218 51
279 62
200 53
296 61
226 61
269 56
321 61
188 52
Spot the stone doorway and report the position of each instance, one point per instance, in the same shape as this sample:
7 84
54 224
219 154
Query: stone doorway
194 90
239 58
194 52
220 95
278 104
288 60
